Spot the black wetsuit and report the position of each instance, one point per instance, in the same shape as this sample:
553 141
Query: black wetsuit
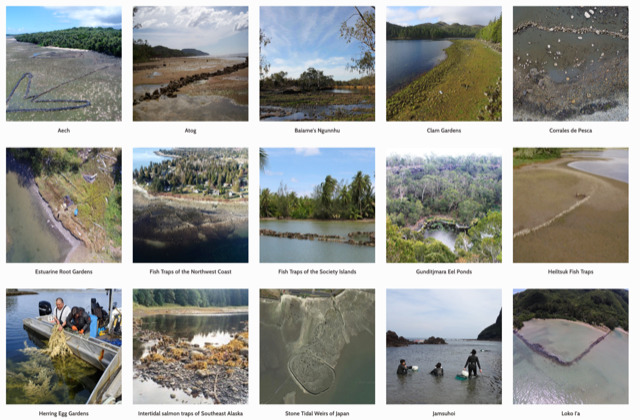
402 370
82 323
472 361
437 372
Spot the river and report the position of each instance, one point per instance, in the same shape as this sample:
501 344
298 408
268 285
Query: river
600 377
610 163
419 387
408 59
274 249
32 377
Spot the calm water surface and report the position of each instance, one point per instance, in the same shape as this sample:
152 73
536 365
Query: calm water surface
600 377
31 236
610 163
72 381
274 249
422 388
143 156
406 60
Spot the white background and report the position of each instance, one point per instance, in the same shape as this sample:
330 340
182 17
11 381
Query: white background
381 135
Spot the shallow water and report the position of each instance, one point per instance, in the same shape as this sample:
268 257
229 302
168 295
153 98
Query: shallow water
273 249
92 77
316 113
422 388
31 237
408 59
71 382
610 163
579 73
447 237
196 329
600 377
190 108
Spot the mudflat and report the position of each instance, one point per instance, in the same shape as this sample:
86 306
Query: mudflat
223 97
565 215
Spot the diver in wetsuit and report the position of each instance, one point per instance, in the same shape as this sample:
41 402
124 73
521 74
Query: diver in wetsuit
472 361
438 370
403 368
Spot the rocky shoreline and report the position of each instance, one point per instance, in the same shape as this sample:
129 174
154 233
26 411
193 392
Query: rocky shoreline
219 374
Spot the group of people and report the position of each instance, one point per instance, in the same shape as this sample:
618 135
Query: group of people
473 364
75 319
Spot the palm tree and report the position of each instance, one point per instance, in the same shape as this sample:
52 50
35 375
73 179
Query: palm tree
264 159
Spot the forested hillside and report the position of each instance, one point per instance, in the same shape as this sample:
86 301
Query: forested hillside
102 40
432 31
191 297
595 307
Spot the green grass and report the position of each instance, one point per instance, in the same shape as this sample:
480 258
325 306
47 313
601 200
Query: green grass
454 90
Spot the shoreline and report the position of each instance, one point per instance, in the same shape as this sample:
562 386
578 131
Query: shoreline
453 90
142 311
600 328
24 172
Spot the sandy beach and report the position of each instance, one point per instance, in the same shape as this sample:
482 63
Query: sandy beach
565 215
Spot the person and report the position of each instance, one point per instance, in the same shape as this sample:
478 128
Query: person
61 314
472 361
438 370
79 320
403 368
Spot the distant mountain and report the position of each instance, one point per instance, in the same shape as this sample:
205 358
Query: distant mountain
193 52
432 31
494 331
609 307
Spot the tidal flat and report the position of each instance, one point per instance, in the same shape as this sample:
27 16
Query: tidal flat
571 63
220 98
601 376
562 214
61 78
317 347
170 228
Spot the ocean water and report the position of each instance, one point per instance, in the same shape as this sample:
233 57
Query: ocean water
422 388
600 377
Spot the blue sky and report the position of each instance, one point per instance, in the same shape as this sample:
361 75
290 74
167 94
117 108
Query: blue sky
215 30
21 20
304 168
303 37
418 313
409 16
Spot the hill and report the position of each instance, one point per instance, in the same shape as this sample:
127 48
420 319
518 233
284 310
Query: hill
142 52
494 331
595 307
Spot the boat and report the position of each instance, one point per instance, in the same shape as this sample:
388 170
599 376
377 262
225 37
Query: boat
101 350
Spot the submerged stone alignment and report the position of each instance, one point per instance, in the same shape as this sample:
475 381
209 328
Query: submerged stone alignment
316 328
175 85
538 348
525 232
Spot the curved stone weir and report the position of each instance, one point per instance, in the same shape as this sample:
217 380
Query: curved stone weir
579 31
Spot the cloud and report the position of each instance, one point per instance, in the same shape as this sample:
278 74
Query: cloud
307 151
462 15
90 16
273 173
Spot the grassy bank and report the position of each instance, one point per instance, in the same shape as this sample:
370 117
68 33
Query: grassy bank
311 99
455 89
140 310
